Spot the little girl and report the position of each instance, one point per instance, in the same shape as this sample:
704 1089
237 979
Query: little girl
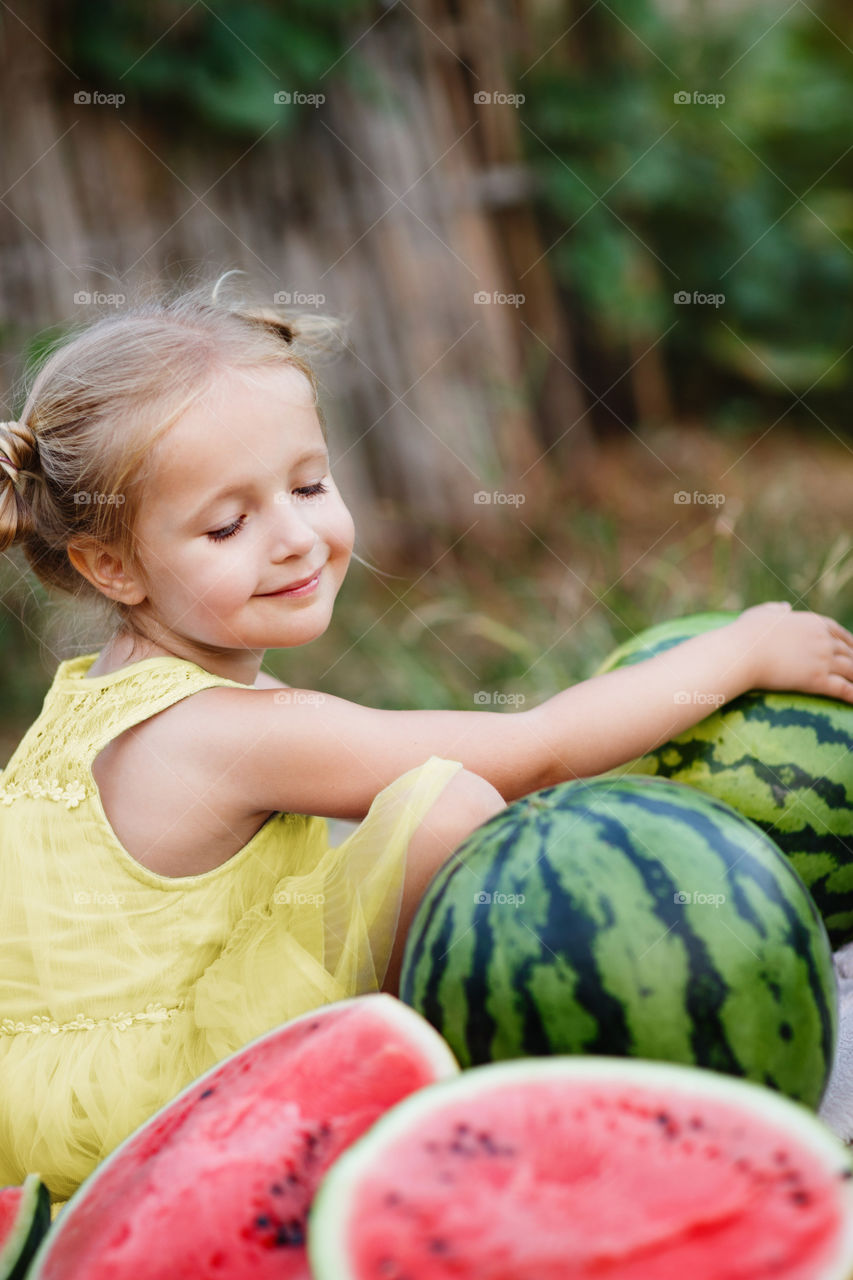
168 891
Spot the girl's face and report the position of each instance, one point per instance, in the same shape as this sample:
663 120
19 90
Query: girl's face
241 506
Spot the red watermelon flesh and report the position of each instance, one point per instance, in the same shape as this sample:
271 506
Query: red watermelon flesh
11 1202
574 1168
218 1183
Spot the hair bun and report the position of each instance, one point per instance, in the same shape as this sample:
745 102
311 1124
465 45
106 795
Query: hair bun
18 448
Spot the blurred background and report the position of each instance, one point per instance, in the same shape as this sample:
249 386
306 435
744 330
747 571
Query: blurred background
595 260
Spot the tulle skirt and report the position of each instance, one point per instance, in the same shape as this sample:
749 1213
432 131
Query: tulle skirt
70 1094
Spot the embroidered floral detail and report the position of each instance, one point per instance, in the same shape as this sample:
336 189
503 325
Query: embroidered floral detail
153 1012
71 794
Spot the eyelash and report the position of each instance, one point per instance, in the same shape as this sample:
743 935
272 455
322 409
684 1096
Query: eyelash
219 535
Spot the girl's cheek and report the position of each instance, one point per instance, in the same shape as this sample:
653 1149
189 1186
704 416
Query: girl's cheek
342 527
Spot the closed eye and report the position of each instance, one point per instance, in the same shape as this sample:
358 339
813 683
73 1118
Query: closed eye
219 535
307 491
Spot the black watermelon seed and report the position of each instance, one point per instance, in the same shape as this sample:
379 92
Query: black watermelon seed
290 1233
262 1222
206 1093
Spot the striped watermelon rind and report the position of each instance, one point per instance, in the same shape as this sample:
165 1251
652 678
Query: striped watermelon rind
602 955
29 1227
337 1218
784 760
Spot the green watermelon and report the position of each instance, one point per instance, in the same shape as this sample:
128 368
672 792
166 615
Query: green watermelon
24 1220
588 1169
785 760
218 1183
633 917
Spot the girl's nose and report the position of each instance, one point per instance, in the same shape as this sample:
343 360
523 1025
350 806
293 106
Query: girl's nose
295 532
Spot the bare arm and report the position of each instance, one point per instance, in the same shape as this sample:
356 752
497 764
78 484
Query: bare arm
308 752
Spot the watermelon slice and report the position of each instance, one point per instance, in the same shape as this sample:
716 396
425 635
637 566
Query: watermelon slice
218 1183
569 1168
24 1220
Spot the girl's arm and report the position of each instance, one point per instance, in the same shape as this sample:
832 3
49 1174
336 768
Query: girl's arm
304 751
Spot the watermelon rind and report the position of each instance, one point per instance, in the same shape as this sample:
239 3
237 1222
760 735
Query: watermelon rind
331 1211
30 1227
660 637
436 1052
600 954
783 759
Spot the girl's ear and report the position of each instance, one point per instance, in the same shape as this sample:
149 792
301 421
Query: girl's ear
103 567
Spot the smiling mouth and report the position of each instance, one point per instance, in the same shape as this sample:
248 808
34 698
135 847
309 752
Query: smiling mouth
295 586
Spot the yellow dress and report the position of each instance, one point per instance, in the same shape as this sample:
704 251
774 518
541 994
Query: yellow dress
118 986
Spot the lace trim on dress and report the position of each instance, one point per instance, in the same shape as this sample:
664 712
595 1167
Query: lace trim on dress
153 1012
71 794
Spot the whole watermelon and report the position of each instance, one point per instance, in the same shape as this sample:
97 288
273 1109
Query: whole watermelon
630 917
785 760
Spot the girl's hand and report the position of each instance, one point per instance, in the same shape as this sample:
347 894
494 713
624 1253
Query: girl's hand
798 651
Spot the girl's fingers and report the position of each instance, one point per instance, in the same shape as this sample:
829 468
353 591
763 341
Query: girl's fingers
840 633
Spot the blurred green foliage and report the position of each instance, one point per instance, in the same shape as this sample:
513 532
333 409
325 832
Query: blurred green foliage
217 64
643 195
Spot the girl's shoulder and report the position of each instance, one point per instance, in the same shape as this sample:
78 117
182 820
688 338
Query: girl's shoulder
164 793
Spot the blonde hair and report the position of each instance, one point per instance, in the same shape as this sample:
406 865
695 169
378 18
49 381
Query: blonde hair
98 404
